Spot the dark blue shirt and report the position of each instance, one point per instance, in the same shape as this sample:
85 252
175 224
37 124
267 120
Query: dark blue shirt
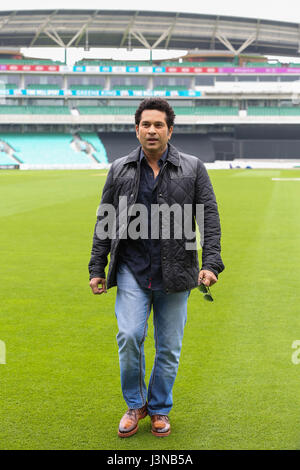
142 256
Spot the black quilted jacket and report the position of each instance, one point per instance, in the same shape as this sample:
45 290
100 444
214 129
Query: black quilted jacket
183 180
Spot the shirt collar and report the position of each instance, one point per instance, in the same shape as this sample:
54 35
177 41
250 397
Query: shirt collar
160 161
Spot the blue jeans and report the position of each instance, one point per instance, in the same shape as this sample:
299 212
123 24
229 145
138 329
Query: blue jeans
133 307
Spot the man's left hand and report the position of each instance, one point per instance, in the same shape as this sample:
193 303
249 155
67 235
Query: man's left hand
207 277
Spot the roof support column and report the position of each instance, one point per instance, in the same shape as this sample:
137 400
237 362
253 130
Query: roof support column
141 38
229 46
55 38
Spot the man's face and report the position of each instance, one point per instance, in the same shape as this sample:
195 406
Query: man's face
153 132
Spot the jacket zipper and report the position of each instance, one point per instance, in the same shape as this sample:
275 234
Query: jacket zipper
138 181
135 197
156 186
160 176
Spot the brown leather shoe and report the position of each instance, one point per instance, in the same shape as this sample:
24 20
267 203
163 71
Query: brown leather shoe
129 422
160 425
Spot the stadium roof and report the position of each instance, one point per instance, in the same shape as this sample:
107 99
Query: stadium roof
147 29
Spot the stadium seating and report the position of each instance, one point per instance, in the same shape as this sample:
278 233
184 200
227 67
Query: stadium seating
289 111
86 87
10 86
263 64
199 64
5 159
31 61
130 110
161 64
263 111
106 109
180 110
273 111
48 109
128 87
47 149
170 87
14 109
100 151
107 63
207 110
43 86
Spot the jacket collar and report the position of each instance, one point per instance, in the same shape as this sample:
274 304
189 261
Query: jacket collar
172 157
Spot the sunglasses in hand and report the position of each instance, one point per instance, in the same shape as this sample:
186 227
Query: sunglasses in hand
206 292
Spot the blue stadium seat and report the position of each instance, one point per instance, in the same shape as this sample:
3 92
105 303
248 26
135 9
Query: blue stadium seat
100 151
45 149
5 159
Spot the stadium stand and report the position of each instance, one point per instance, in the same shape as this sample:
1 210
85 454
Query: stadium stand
48 109
169 87
47 149
31 61
85 87
216 95
179 110
207 110
13 109
11 86
166 63
107 63
199 64
128 87
42 86
273 111
98 151
7 156
6 159
126 110
263 64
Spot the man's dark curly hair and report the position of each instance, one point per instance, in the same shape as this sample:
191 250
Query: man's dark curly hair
160 105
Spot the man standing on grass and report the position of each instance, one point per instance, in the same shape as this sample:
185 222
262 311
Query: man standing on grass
153 269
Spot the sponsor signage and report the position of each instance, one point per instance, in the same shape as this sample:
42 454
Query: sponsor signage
92 69
259 70
118 69
145 69
159 69
30 68
79 68
132 69
96 93
105 68
65 68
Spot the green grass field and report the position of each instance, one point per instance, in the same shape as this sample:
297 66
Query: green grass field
237 387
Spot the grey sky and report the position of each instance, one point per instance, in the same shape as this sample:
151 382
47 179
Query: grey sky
287 10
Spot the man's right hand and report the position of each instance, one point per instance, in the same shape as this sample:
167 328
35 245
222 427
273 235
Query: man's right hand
94 285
